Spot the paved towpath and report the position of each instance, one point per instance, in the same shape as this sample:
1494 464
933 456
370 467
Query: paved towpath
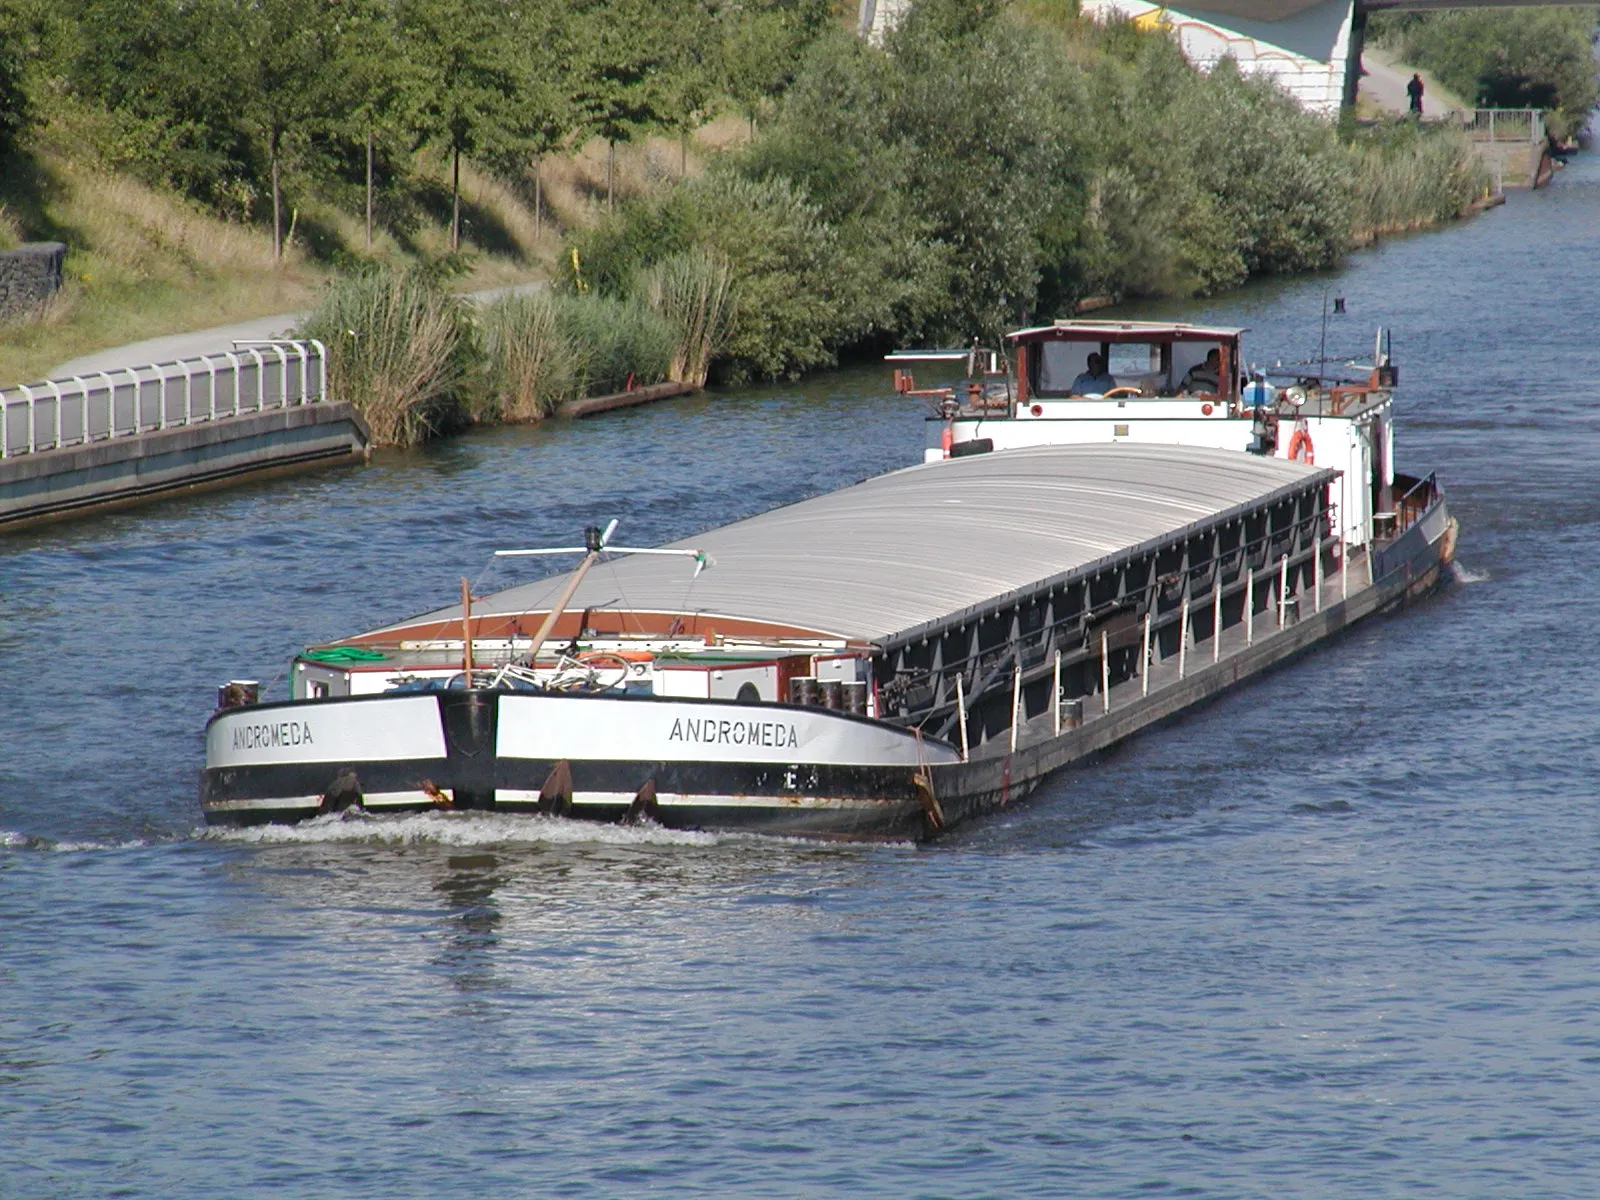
1385 85
210 341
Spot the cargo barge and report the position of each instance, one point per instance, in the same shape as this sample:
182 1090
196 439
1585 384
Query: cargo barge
880 662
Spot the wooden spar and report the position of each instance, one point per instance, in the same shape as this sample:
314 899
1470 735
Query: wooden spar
466 631
560 606
594 544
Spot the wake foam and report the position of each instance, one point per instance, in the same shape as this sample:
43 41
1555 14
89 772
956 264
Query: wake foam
459 829
12 840
1462 574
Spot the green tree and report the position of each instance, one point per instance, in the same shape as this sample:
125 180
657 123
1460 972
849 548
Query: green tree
468 76
977 104
34 36
377 91
542 113
176 120
283 59
762 46
623 70
694 85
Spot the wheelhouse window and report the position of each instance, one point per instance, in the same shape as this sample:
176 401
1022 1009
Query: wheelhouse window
1138 365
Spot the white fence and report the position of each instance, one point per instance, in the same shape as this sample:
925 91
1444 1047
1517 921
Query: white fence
100 405
1504 124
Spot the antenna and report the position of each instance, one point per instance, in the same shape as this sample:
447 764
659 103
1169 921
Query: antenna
1322 350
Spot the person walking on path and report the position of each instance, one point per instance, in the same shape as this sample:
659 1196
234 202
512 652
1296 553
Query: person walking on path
1414 89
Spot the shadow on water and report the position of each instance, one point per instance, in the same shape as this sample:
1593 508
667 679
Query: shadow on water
469 888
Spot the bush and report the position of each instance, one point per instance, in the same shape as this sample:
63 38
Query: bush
780 255
979 169
400 348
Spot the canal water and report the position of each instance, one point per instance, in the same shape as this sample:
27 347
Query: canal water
1334 935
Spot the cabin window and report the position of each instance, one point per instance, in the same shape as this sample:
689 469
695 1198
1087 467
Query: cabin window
1134 360
319 690
1060 363
1131 364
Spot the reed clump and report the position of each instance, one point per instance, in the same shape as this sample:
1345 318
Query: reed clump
541 350
530 365
1404 177
694 292
617 343
400 347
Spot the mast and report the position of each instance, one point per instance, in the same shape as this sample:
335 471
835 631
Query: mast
595 543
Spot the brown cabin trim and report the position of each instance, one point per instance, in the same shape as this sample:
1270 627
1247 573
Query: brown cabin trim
604 623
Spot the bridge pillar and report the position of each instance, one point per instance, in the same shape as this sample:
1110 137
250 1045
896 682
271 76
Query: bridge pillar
1310 48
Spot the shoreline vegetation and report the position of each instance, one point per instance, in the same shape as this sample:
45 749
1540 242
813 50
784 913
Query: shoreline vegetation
995 164
724 191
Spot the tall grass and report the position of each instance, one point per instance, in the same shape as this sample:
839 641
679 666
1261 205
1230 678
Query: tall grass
694 292
615 342
542 350
530 365
400 348
1403 177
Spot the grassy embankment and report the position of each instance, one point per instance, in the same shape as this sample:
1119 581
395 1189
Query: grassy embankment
144 261
993 163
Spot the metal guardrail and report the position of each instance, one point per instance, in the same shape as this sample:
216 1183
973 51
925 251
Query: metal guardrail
98 406
1504 124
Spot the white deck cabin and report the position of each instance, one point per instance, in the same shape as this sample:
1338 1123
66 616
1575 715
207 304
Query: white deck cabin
1151 386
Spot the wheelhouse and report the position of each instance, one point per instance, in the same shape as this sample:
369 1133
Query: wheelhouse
1143 358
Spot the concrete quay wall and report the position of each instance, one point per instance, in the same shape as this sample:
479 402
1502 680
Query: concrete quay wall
122 470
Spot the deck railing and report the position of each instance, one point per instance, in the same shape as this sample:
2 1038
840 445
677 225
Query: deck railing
1504 124
97 406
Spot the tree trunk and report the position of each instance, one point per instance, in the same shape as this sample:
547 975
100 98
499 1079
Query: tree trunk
277 202
538 197
611 173
683 153
455 202
369 187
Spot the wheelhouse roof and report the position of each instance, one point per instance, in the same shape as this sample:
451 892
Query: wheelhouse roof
1125 331
904 554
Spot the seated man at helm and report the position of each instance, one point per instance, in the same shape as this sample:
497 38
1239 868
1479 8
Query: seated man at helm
1094 381
1203 379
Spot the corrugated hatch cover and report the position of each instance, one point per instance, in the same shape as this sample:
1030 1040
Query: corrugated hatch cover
903 552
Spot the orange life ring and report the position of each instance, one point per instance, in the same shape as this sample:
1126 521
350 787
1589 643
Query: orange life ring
1300 448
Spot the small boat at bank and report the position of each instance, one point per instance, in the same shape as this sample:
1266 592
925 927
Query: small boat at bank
880 662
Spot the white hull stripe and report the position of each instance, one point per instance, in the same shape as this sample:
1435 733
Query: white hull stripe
693 800
579 799
371 800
